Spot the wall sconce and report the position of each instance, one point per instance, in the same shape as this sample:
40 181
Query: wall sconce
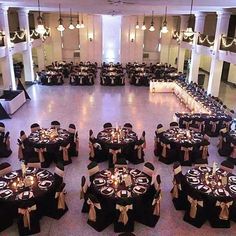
90 37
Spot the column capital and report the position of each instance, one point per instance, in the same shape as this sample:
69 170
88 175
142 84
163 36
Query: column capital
223 14
200 15
23 11
3 9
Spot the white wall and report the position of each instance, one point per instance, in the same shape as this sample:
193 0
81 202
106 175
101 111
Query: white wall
232 74
205 63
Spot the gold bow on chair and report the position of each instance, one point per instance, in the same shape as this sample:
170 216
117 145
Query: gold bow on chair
83 190
227 124
233 153
186 152
92 211
123 218
214 125
40 152
61 200
156 203
204 150
165 146
26 215
114 154
175 190
65 152
193 209
224 214
140 148
91 153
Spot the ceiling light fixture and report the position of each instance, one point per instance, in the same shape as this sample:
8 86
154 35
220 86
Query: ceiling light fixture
60 27
189 31
137 25
71 26
82 23
144 25
78 22
152 28
40 27
164 28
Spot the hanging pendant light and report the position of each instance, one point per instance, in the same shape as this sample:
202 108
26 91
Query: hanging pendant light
189 31
164 28
71 26
78 22
144 25
40 27
137 25
152 28
82 23
60 27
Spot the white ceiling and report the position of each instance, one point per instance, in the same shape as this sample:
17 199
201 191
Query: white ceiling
125 7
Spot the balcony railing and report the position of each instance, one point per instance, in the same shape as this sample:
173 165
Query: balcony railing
17 36
206 40
176 36
188 39
228 44
35 35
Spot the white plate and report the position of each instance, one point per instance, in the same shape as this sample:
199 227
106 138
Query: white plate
223 193
42 174
204 188
107 190
29 195
127 193
142 180
193 180
193 172
204 168
45 184
99 181
11 175
30 170
139 189
3 184
105 173
232 179
232 188
6 193
135 172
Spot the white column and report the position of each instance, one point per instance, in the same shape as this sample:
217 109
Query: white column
27 54
7 62
41 58
216 65
195 58
181 51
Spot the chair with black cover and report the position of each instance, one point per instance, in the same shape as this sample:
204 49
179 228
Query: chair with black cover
174 125
113 156
186 122
34 127
124 216
2 128
5 216
40 154
203 151
56 205
5 149
95 149
148 169
93 169
84 194
98 217
34 163
5 168
196 213
224 147
128 126
121 163
64 153
28 218
58 174
213 127
218 212
167 155
157 143
199 162
177 192
107 125
55 124
74 141
186 154
227 166
138 152
232 156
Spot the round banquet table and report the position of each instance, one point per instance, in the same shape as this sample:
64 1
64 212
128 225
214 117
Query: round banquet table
49 138
36 184
201 180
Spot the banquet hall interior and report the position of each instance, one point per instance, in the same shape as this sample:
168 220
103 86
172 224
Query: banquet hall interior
117 117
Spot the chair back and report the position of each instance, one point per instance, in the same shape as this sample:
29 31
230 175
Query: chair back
107 125
128 126
55 124
93 168
34 164
34 127
5 168
121 163
148 169
227 166
174 125
72 129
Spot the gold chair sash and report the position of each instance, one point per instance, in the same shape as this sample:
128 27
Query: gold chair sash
194 203
165 146
157 204
83 190
175 190
204 150
26 215
61 200
65 152
123 218
224 214
233 153
186 152
114 154
92 212
91 153
40 152
140 148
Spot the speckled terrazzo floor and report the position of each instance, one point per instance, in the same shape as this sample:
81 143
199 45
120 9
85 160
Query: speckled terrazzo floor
89 108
